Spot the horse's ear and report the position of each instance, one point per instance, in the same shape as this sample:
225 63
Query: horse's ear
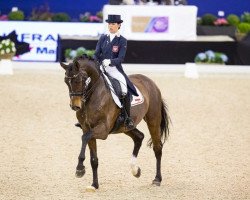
64 66
77 65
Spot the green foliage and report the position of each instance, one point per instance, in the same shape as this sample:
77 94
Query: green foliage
16 15
245 17
233 20
218 58
85 17
211 57
244 27
61 17
199 21
71 53
208 19
90 53
41 13
99 14
80 51
67 53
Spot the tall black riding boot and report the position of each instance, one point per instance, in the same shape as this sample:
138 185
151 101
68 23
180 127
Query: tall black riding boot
128 120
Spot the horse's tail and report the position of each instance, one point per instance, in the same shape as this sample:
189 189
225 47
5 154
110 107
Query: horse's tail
165 123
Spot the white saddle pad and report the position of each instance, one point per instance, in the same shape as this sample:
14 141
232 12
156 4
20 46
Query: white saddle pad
135 101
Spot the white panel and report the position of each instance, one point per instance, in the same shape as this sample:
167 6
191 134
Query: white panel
42 36
181 21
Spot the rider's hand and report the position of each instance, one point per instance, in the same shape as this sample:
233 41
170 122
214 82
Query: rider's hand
106 62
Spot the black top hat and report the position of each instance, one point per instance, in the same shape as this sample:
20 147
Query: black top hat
114 19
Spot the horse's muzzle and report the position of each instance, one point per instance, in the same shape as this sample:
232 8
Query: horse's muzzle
75 103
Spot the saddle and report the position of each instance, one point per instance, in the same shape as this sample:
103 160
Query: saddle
116 89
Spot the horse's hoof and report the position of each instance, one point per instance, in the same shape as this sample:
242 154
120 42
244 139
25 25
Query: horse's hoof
90 189
156 182
138 174
80 173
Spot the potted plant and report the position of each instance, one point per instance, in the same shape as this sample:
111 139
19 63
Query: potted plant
211 25
17 15
233 20
242 30
245 17
70 54
87 17
61 17
7 49
41 13
211 57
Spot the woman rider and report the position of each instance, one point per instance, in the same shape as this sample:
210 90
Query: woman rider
110 51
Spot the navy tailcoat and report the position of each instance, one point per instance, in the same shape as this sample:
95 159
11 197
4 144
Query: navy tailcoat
115 51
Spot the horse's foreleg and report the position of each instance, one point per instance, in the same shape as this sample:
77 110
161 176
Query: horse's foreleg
80 169
137 137
94 162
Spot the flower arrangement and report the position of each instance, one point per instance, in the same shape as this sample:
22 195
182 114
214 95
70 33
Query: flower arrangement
87 17
3 17
70 54
7 49
211 57
221 22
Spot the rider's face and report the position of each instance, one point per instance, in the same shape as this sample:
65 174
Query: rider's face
113 27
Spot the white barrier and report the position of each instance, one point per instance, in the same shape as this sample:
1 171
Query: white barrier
42 36
155 22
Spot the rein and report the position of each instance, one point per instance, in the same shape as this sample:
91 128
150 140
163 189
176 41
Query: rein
87 92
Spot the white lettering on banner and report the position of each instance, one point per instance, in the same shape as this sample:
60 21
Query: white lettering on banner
42 36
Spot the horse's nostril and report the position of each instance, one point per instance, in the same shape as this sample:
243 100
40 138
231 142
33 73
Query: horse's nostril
75 108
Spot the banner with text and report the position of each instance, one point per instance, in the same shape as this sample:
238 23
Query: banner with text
42 36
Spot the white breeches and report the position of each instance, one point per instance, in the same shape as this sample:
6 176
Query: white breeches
113 71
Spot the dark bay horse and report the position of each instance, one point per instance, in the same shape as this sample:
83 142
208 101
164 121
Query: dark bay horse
97 113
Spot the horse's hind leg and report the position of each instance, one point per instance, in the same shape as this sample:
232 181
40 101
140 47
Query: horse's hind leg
137 137
157 147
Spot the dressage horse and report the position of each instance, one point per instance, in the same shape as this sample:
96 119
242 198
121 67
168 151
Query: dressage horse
97 114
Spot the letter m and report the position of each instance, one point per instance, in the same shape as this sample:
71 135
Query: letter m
41 50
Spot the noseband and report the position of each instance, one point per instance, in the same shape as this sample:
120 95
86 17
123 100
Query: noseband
70 79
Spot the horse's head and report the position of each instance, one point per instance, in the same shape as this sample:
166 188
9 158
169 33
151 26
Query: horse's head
78 75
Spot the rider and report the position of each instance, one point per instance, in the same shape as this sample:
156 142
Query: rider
110 51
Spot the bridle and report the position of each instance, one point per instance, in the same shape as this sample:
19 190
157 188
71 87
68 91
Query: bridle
86 91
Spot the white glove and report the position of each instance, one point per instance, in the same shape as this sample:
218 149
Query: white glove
106 62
